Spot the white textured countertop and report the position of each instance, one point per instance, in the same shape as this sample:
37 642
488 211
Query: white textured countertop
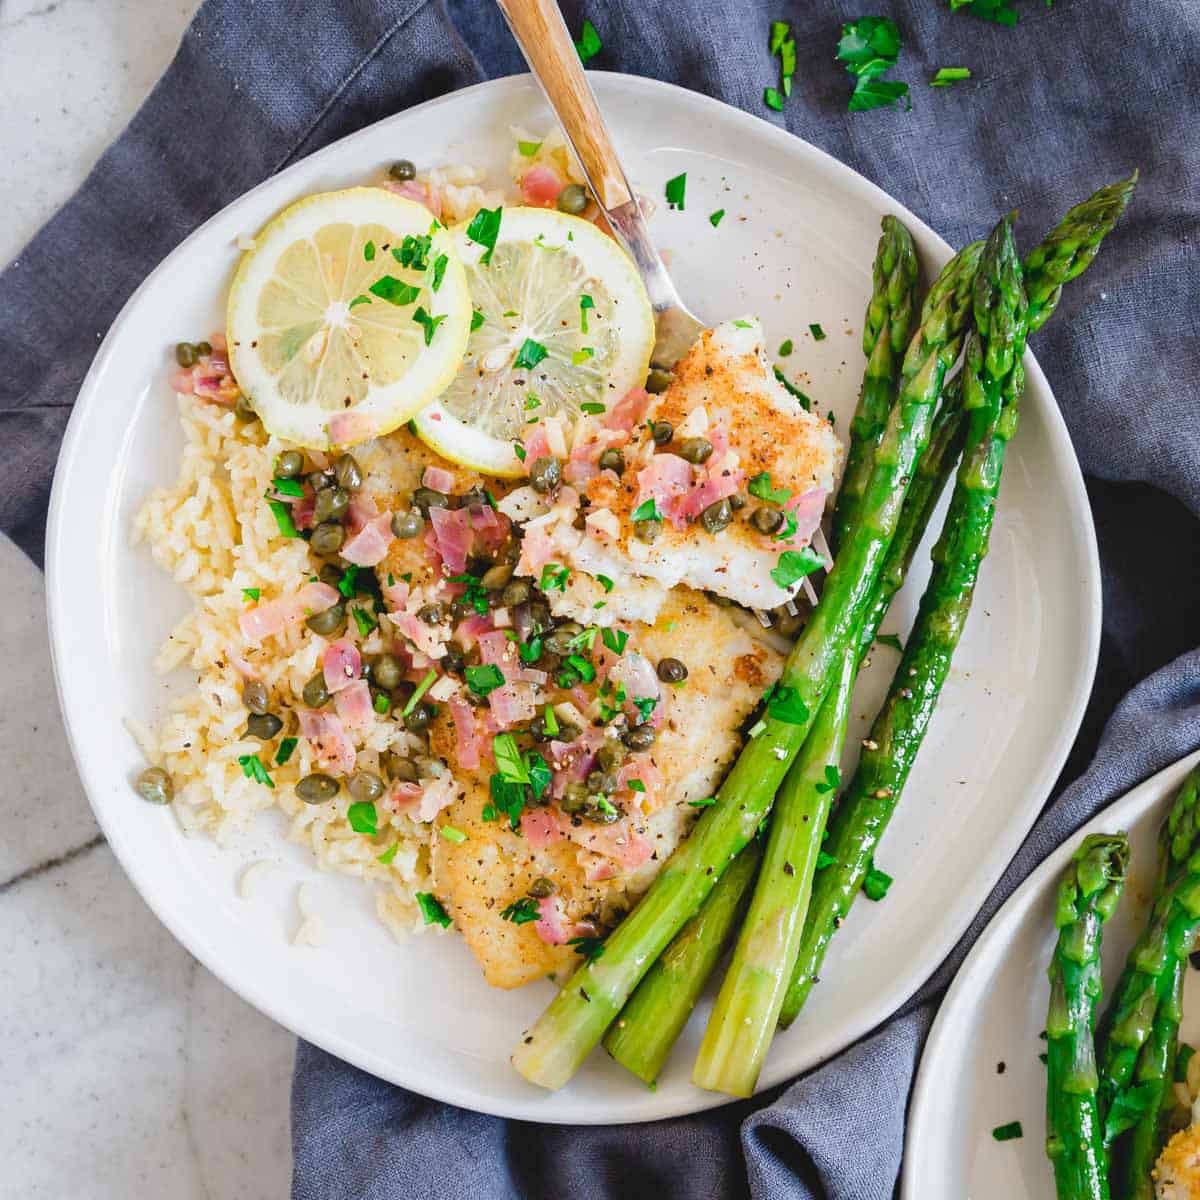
128 1070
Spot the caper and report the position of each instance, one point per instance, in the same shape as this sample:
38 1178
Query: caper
671 670
431 613
474 497
766 518
717 516
328 621
420 716
612 460
696 450
575 798
428 767
397 767
402 171
545 474
289 464
203 349
407 523
559 642
243 409
154 786
573 199
317 788
662 432
640 737
647 531
332 503
318 480
348 473
328 538
185 354
601 814
542 887
426 498
737 501
330 574
566 731
386 671
539 730
539 611
611 754
454 660
494 578
315 693
516 592
365 785
263 725
658 381
402 692
255 696
602 783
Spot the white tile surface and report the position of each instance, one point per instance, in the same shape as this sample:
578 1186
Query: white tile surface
129 1071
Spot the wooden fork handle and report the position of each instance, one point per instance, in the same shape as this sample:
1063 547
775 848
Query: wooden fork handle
542 35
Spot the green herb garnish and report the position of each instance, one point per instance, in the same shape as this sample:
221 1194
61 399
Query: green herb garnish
794 565
484 229
869 47
288 487
287 747
530 354
369 252
785 348
477 319
715 218
793 390
606 583
388 855
707 802
890 639
773 99
283 518
554 578
585 302
581 356
948 75
252 593
615 639
529 149
875 885
833 780
452 834
784 705
432 910
675 190
364 620
817 332
413 252
484 680
428 323
359 300
439 270
252 768
1007 1133
588 44
760 485
422 687
393 290
590 947
363 818
647 511
522 911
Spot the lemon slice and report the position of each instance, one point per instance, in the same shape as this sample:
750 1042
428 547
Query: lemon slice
562 321
350 314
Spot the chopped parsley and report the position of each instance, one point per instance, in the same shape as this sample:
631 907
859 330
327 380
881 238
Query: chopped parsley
583 668
585 302
581 356
451 834
382 704
588 44
675 190
346 583
422 687
439 270
283 518
388 855
707 802
414 252
636 785
999 12
364 620
484 229
428 323
287 747
784 704
288 487
519 450
785 348
530 354
779 33
359 300
773 99
363 818
740 324
475 594
948 75
554 578
252 593
531 650
794 565
833 780
615 639
869 48
531 401
432 910
590 947
715 218
647 511
761 487
605 582
550 721
594 407
792 390
1009 1132
647 704
509 762
393 290
529 149
817 332
522 911
875 885
253 768
485 679
369 252
824 859
477 319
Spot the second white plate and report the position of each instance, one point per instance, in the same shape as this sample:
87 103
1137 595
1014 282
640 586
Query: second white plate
795 246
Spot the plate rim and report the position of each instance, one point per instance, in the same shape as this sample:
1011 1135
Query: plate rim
825 166
996 939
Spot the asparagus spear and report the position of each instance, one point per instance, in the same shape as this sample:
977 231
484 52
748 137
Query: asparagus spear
743 1020
1152 1080
900 727
1087 896
576 1019
1146 982
886 329
642 1037
992 382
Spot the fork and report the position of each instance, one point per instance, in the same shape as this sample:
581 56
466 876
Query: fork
542 35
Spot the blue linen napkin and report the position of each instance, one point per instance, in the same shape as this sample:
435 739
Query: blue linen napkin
1073 96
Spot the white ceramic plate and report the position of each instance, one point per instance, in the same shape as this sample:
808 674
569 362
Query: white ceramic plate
994 1012
796 247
